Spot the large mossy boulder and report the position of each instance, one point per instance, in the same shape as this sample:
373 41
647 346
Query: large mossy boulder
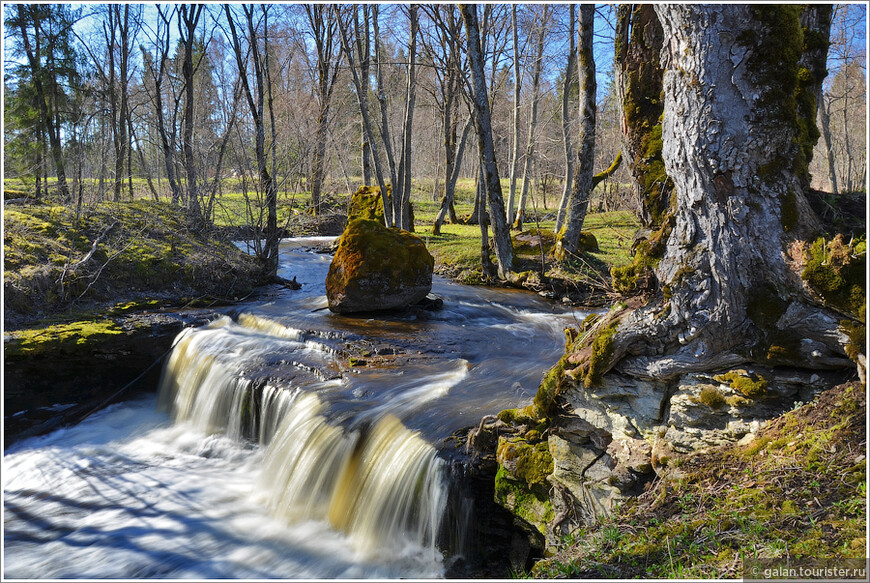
376 268
367 203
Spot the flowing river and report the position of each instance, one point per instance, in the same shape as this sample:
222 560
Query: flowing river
267 455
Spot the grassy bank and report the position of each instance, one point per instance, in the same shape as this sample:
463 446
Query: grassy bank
56 263
797 493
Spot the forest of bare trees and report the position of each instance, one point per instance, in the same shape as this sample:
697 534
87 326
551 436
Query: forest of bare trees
114 102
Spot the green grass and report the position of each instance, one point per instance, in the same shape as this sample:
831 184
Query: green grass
456 250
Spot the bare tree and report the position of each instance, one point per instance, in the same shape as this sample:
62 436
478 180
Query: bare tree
323 26
402 196
570 76
483 124
348 44
258 96
578 202
533 115
156 85
445 49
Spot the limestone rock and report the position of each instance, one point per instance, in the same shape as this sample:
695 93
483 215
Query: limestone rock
376 268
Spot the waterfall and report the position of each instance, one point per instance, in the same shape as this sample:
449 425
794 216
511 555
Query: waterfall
364 472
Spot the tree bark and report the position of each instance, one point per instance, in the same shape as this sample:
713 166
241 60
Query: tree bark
518 81
578 203
570 75
486 148
729 145
639 41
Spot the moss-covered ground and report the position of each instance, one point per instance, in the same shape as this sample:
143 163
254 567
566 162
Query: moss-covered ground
61 266
797 491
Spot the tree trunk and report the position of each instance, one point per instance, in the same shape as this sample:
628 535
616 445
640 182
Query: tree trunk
639 41
533 120
319 156
189 18
727 296
402 198
46 114
364 52
570 75
454 163
578 203
825 118
384 127
362 95
518 79
483 124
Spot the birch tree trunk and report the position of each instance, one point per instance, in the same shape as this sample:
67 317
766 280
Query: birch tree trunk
570 75
486 148
731 146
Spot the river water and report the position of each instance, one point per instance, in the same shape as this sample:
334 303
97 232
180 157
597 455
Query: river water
267 455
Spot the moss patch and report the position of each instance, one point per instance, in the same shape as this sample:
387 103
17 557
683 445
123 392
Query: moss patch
749 384
835 271
367 203
544 402
529 504
711 397
68 339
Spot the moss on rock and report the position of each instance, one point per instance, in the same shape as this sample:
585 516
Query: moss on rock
749 384
711 397
376 268
835 271
367 203
67 339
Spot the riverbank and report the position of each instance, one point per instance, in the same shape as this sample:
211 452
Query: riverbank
794 495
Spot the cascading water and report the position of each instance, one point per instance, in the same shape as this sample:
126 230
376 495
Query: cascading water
276 458
370 477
